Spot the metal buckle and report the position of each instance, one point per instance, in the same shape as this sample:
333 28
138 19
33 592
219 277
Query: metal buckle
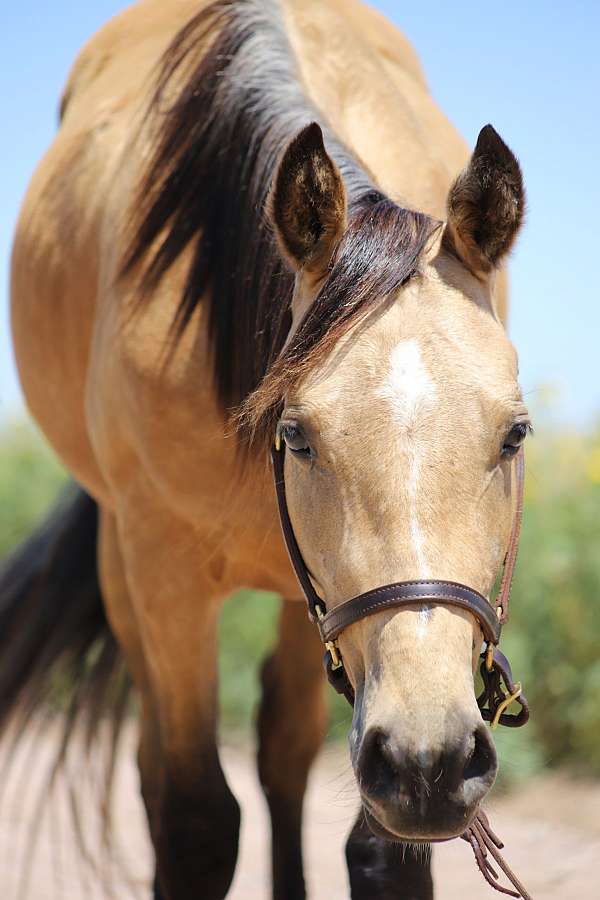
330 646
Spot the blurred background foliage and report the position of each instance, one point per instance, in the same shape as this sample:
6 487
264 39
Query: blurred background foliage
553 639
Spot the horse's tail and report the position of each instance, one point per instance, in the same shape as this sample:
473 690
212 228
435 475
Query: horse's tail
56 648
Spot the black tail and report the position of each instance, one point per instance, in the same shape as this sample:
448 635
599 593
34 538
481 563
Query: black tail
56 648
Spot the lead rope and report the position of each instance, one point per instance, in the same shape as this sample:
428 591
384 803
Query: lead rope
484 841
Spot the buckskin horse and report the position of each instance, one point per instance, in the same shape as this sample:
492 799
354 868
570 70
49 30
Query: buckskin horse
255 234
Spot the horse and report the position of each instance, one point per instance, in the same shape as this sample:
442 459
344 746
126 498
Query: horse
255 224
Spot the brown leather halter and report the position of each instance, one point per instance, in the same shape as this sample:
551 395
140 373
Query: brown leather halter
499 689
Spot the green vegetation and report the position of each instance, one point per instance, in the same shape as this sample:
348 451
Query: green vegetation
30 478
553 639
247 632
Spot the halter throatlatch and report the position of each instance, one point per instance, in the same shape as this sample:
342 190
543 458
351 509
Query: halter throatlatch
499 688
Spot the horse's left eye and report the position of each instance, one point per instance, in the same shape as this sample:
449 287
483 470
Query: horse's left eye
295 439
514 439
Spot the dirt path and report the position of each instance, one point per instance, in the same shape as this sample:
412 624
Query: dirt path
552 835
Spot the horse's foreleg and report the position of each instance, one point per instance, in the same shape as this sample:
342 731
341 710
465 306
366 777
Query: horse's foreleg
381 870
291 727
124 625
193 817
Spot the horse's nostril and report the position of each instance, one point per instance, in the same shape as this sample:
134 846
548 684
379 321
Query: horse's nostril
379 761
481 764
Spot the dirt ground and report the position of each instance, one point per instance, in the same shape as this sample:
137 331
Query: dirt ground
551 830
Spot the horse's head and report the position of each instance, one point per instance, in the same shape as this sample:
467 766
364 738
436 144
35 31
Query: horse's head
401 414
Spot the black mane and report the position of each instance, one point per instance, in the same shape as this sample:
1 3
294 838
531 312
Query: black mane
235 101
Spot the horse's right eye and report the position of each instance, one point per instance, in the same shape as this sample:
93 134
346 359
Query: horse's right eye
514 439
295 439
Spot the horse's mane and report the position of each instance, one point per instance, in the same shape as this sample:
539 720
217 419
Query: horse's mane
227 101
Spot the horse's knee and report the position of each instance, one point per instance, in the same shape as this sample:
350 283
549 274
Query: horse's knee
196 838
194 820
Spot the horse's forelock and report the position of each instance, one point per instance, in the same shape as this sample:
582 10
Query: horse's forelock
379 252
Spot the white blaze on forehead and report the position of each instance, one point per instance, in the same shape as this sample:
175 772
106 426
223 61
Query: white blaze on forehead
408 387
408 383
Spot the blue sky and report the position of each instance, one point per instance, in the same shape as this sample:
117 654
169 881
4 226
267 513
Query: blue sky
531 69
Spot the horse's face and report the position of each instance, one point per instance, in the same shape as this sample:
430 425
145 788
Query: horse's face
399 467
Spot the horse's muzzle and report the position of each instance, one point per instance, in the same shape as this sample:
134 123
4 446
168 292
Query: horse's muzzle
424 795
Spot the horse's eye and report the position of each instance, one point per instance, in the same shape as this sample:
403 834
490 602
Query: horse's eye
295 439
514 439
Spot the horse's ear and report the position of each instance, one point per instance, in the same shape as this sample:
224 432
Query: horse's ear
486 205
307 205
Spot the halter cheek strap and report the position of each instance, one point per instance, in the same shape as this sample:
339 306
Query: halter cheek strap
499 688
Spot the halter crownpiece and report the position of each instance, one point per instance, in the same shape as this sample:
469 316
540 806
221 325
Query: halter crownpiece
499 688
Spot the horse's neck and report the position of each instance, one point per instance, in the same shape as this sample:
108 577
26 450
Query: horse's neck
368 83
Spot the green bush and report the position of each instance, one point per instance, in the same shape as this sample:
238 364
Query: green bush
30 478
553 638
247 632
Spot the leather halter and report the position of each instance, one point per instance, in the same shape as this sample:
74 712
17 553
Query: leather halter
499 688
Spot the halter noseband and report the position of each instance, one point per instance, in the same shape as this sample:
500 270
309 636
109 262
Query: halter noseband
499 688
